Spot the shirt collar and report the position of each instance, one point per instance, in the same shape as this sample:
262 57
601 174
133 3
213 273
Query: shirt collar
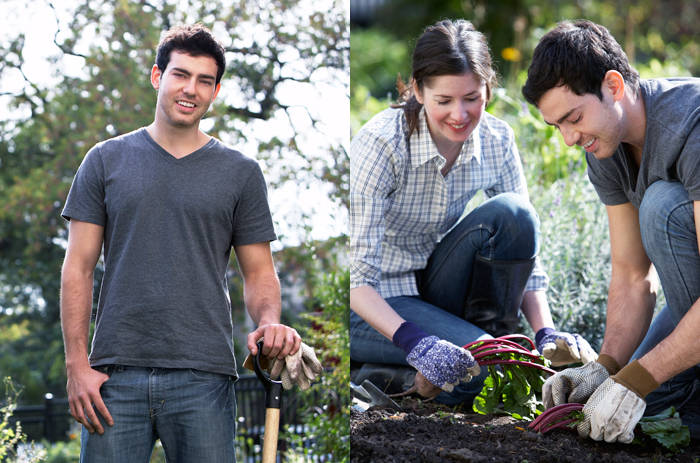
423 148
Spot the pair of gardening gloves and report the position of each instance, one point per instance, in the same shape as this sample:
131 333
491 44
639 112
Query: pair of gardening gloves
614 397
301 368
445 365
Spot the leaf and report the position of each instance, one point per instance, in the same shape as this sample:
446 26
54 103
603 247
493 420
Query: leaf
666 428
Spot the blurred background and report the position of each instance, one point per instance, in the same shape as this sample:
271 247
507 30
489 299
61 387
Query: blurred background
661 40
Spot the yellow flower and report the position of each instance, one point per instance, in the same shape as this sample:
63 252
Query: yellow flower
511 54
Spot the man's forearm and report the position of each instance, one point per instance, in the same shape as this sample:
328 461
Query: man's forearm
262 296
76 308
679 351
630 310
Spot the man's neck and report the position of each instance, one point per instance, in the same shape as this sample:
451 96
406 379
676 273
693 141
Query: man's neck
178 141
636 125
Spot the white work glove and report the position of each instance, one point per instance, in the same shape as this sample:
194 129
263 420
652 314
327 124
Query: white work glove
577 384
300 368
616 406
441 362
562 348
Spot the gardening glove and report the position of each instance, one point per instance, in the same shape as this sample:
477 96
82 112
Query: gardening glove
615 407
562 348
442 363
577 384
300 368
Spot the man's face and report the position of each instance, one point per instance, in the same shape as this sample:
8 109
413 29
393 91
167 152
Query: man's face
186 88
584 120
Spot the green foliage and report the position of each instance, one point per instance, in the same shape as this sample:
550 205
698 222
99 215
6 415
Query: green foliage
363 106
575 253
377 59
645 29
328 400
12 439
63 452
545 156
517 387
666 428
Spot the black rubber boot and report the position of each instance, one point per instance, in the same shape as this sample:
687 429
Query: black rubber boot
497 290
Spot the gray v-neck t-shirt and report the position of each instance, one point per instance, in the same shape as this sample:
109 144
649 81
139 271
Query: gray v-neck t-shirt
169 227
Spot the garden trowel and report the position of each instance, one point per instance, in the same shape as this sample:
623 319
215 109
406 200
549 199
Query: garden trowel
367 395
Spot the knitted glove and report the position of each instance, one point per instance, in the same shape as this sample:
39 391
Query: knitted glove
300 368
577 384
615 407
562 348
442 363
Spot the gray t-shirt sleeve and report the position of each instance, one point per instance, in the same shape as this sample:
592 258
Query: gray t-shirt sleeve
86 199
252 218
688 164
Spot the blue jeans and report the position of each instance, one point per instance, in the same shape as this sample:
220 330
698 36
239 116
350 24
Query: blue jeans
192 412
505 227
667 223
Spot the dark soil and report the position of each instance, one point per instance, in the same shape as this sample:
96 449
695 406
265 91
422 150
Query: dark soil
426 433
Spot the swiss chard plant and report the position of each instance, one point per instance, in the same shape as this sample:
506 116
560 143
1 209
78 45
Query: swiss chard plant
516 376
666 428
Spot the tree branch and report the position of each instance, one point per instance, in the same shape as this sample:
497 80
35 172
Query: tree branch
63 48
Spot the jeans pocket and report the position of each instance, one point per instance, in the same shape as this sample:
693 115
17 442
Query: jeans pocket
208 375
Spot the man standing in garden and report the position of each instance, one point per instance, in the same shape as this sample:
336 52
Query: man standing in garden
642 141
168 202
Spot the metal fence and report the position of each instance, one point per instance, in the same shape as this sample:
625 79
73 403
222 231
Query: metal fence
52 421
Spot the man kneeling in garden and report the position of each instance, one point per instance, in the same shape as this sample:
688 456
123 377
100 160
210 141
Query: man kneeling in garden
642 142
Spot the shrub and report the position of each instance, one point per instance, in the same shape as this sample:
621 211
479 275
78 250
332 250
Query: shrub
327 420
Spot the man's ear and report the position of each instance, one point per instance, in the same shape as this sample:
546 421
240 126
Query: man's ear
155 76
614 83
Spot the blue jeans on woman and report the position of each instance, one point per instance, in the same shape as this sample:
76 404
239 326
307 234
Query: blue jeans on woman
667 223
505 227
192 412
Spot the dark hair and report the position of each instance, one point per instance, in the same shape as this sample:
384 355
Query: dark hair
193 40
445 49
576 55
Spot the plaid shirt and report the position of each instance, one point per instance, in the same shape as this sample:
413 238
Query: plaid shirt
401 205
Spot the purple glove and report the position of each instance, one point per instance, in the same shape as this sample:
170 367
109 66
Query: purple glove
442 363
563 348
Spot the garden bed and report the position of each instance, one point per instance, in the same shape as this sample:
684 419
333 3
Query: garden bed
425 432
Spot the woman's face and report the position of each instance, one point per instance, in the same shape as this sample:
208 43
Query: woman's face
453 107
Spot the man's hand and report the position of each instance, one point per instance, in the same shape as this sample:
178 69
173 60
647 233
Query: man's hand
300 368
577 384
280 341
83 391
562 348
616 406
443 363
611 413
